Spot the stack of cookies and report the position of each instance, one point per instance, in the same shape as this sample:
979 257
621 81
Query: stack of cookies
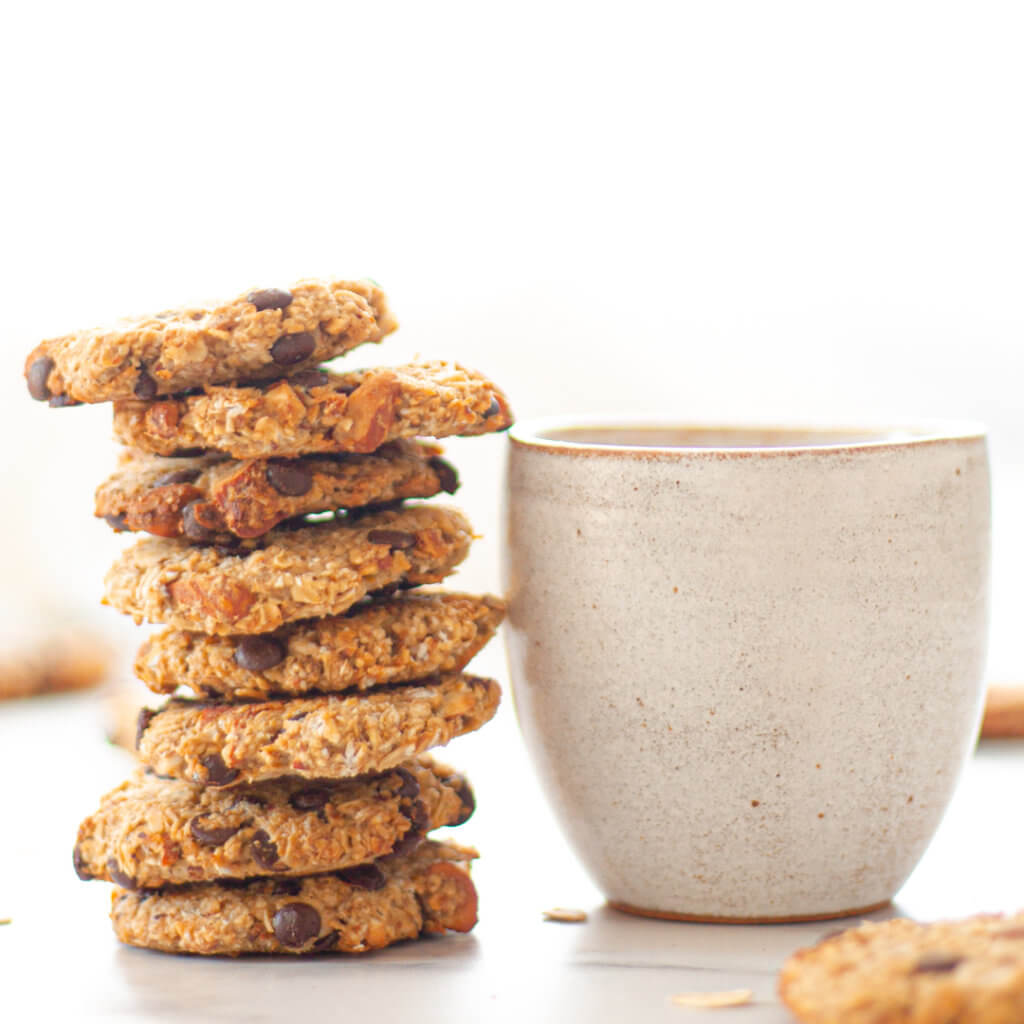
284 806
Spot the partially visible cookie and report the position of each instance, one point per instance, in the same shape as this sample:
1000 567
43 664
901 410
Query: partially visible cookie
901 972
210 496
364 908
333 736
51 661
152 832
265 333
1004 713
396 639
315 570
318 412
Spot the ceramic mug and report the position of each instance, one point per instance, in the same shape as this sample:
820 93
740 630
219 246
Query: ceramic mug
747 661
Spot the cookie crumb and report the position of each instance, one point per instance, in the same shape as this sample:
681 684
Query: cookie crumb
566 915
713 1000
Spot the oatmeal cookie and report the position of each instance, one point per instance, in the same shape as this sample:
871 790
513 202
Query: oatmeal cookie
321 737
288 574
388 640
265 333
51 660
901 972
426 891
152 832
318 412
210 496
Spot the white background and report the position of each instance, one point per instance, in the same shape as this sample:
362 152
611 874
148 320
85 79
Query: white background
760 210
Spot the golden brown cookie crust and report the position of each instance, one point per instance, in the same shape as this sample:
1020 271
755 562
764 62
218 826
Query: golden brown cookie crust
258 335
426 891
1004 713
350 412
152 832
210 497
394 640
324 737
318 570
902 972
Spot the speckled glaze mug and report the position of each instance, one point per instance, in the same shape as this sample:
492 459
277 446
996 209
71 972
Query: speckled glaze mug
747 662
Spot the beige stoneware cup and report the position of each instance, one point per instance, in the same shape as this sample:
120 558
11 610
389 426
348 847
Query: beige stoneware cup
747 662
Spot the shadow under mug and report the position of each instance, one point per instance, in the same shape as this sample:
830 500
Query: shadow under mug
747 661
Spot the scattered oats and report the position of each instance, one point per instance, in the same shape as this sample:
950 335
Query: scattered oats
713 1000
565 914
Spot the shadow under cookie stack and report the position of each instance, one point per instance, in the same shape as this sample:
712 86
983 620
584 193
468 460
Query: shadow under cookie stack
284 807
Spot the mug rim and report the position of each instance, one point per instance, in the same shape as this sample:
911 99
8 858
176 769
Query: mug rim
867 436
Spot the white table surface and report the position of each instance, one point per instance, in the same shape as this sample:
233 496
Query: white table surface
60 961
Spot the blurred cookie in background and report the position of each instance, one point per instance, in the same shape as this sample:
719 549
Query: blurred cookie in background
43 659
123 701
1004 713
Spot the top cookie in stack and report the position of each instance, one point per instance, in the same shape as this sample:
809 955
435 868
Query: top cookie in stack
314 667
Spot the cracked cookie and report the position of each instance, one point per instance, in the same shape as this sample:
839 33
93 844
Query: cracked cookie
288 574
152 832
426 891
212 496
318 411
388 640
331 736
266 333
900 972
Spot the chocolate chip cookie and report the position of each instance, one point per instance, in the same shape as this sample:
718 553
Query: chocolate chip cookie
265 333
368 907
211 496
318 412
901 972
288 574
152 832
330 736
388 640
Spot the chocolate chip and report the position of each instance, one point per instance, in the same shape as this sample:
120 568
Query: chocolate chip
396 539
117 522
493 409
206 836
418 817
295 924
446 475
263 849
186 453
36 378
288 887
406 844
465 791
937 963
345 389
61 402
269 298
298 716
190 525
290 478
309 799
410 788
325 943
177 476
142 724
258 653
309 379
118 877
80 869
364 876
292 348
217 772
145 386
